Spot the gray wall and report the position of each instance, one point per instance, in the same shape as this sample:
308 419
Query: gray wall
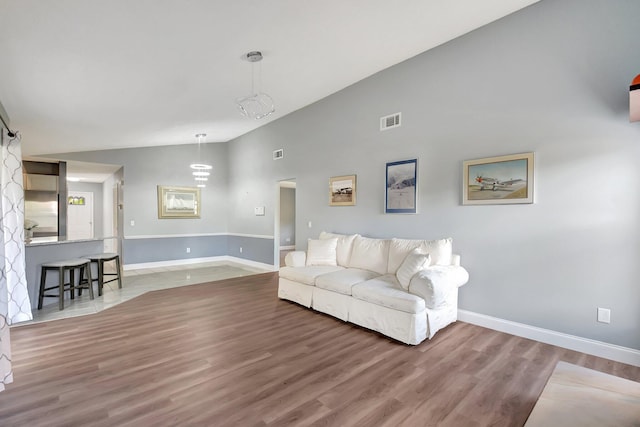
287 216
98 202
251 248
173 248
146 168
552 79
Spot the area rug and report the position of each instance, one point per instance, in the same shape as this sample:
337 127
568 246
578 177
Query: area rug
577 396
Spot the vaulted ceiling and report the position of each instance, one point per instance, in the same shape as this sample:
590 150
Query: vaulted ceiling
78 75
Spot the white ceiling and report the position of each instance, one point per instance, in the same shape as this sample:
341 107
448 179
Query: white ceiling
78 75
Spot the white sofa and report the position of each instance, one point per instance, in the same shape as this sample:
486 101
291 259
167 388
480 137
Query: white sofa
405 289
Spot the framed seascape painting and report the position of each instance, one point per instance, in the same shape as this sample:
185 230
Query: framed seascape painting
498 180
178 202
342 190
401 187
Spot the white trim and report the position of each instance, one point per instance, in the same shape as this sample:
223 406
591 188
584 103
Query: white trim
169 236
287 248
584 345
287 184
189 261
255 236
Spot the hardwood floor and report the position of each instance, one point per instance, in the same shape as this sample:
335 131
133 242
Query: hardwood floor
229 353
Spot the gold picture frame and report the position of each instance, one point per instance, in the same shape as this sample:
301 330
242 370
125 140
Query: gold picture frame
178 202
342 190
498 180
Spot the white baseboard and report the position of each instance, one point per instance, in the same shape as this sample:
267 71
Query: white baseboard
188 261
287 248
250 263
547 336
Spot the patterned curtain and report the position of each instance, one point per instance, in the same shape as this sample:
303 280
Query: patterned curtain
14 297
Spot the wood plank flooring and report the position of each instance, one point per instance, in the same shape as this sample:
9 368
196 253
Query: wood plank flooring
229 353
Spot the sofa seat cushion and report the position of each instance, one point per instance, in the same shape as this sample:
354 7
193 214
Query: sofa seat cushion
387 292
342 281
307 275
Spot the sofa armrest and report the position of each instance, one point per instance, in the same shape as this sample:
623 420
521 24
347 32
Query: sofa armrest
295 259
438 284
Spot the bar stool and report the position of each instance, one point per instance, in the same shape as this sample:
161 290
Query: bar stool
62 267
99 260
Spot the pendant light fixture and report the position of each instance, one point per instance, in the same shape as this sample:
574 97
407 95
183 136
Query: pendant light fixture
634 100
200 170
258 104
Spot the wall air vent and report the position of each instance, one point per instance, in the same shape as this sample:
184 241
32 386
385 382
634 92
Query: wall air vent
390 121
278 154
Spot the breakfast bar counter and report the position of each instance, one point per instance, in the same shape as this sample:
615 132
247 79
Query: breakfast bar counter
41 250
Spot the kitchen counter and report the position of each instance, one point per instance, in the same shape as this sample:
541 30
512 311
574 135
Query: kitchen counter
56 240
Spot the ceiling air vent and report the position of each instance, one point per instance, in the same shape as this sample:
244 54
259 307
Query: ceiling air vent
391 121
278 154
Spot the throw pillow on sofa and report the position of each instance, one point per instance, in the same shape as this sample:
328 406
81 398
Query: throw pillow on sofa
322 252
414 262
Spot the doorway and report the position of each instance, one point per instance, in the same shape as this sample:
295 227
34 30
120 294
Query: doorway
80 215
286 220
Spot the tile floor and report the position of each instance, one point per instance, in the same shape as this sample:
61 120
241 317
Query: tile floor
137 282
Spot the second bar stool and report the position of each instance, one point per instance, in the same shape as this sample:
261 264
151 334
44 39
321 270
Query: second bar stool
99 260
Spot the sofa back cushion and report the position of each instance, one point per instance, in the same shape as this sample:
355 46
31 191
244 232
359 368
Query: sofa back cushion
322 252
370 254
344 246
439 251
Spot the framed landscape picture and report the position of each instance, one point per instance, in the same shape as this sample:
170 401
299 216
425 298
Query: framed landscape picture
342 190
401 187
498 180
178 202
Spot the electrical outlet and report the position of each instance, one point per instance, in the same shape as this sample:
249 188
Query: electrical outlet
240 249
188 250
604 315
309 224
133 223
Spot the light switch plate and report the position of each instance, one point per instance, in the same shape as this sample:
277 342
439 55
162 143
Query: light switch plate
258 210
604 315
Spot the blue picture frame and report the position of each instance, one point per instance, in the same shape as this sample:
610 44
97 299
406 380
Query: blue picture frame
401 189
